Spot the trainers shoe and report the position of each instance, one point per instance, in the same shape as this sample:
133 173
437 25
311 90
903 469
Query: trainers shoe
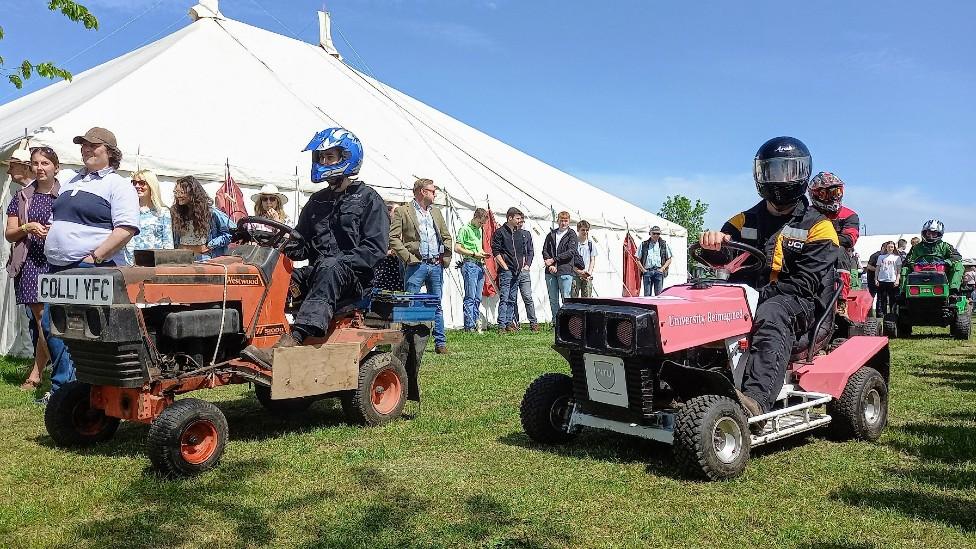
264 357
44 399
442 350
534 328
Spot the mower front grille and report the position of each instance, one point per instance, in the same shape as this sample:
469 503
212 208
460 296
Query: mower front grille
112 364
640 391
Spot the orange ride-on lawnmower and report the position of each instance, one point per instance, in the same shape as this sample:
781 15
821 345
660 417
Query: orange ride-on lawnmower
139 336
666 368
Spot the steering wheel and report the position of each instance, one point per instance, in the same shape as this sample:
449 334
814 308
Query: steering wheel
740 262
279 235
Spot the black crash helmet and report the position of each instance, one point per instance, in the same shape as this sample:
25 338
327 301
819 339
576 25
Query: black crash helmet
782 170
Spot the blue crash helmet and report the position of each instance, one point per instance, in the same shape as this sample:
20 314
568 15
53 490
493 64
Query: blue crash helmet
351 157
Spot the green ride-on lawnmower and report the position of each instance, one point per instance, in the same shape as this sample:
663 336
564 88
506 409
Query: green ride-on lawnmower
925 300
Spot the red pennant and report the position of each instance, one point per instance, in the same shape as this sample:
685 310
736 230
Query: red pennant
491 268
230 200
632 277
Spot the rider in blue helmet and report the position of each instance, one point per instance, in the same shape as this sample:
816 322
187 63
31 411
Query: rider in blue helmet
346 231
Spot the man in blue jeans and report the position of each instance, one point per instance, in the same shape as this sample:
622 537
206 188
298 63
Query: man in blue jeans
419 236
653 259
559 252
469 247
511 246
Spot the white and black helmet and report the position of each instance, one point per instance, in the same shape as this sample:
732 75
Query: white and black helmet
932 230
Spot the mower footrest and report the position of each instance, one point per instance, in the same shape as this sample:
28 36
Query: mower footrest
662 433
793 419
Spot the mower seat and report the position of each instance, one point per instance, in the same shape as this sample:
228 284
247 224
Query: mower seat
824 312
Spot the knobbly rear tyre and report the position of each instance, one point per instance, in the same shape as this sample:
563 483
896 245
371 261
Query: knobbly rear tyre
545 409
861 412
961 325
381 393
711 438
871 327
71 420
187 439
285 406
891 326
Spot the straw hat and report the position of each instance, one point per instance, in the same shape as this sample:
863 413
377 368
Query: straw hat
272 190
19 156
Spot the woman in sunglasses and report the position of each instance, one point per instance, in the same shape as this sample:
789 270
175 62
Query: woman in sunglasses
28 219
155 222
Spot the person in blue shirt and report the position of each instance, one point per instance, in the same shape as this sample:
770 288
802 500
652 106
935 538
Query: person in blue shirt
197 225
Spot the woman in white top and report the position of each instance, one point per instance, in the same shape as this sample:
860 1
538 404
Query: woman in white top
888 276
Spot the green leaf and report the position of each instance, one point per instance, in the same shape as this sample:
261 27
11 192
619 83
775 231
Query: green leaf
16 81
25 69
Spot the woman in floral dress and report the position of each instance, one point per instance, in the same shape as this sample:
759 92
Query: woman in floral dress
155 222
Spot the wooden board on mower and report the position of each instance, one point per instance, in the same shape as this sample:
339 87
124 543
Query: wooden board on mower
312 370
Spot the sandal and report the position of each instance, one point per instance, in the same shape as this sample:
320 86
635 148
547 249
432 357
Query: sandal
30 385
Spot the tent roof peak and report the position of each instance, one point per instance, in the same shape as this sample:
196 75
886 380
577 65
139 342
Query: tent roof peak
206 9
325 35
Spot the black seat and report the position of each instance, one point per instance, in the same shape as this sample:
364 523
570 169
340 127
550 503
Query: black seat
825 311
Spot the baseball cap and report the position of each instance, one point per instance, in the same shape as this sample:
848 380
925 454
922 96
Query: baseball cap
97 136
655 229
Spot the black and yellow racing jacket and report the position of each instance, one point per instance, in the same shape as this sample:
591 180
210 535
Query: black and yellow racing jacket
801 249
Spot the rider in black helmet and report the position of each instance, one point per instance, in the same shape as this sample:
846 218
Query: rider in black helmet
801 249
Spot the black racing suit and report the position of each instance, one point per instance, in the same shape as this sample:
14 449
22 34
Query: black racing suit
801 252
346 234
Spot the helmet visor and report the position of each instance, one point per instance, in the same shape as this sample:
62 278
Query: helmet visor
321 158
782 170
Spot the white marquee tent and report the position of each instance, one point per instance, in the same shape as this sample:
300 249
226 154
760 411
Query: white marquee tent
220 90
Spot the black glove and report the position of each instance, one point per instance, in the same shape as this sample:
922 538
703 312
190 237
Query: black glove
296 250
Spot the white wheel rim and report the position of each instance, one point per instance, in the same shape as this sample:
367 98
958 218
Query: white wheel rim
872 407
727 440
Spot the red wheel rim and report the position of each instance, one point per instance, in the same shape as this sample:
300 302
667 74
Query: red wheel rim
88 421
198 441
385 391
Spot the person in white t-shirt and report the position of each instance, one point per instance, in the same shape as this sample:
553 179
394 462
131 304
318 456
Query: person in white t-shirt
583 278
888 276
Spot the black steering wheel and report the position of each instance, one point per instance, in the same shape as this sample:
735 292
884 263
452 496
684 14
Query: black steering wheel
277 237
751 259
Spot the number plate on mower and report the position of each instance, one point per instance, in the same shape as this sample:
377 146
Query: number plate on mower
605 379
75 289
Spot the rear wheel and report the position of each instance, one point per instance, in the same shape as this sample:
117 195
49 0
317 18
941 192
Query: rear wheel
861 412
891 326
711 437
284 406
188 438
545 409
382 391
960 327
871 327
71 420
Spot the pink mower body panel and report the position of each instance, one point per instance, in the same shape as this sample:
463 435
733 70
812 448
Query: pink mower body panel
829 373
859 305
689 318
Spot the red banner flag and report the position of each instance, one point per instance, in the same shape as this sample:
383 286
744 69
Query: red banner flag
230 200
491 269
632 277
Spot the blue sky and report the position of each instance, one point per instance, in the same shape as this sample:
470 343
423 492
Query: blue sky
642 98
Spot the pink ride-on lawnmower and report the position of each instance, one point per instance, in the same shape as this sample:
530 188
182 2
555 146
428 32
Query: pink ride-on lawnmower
665 368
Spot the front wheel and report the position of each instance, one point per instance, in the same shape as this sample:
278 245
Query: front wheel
891 326
71 420
711 438
545 409
382 391
871 327
861 412
187 439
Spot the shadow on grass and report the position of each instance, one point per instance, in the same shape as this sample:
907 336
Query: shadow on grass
935 441
959 375
395 515
929 507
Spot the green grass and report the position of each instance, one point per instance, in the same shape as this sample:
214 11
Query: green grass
462 473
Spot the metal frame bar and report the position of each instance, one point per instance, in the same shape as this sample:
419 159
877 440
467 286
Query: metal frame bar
660 434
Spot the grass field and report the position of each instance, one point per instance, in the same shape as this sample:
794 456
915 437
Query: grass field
462 473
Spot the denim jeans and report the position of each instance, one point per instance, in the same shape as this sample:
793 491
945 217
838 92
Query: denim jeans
508 287
62 368
653 280
560 287
525 288
474 281
432 277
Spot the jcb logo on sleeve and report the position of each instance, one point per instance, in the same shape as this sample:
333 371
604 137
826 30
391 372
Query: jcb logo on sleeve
793 244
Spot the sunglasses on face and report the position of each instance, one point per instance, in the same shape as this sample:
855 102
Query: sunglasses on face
137 183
